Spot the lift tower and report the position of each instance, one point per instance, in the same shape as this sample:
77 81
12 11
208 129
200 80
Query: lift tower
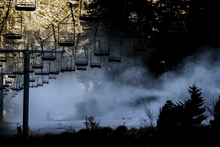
26 81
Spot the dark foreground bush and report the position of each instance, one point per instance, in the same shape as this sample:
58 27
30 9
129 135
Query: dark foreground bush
102 136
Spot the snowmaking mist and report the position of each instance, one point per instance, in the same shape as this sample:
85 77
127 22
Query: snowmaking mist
119 90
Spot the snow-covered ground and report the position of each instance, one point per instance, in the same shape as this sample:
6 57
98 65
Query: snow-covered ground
64 126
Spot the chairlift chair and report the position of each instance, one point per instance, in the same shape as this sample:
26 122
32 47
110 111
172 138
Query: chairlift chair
37 63
66 34
101 42
81 55
45 79
32 80
16 89
99 49
68 64
115 48
33 84
8 81
54 67
49 56
81 68
15 85
48 41
50 45
6 85
43 71
7 90
18 68
52 76
39 81
25 5
12 76
95 62
14 27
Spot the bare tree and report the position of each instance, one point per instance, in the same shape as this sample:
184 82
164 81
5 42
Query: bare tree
148 119
210 106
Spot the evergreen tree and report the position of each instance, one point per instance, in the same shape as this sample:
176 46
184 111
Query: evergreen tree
193 110
168 116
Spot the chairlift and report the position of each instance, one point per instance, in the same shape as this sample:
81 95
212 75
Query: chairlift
101 42
37 66
98 49
37 63
39 81
66 31
81 55
115 48
12 76
18 68
16 89
95 61
54 67
25 5
7 90
33 84
14 27
43 71
45 79
31 80
8 81
15 85
52 76
67 64
81 68
21 87
6 85
50 56
48 41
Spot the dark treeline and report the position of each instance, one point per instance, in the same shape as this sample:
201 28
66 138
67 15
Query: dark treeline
152 21
179 124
